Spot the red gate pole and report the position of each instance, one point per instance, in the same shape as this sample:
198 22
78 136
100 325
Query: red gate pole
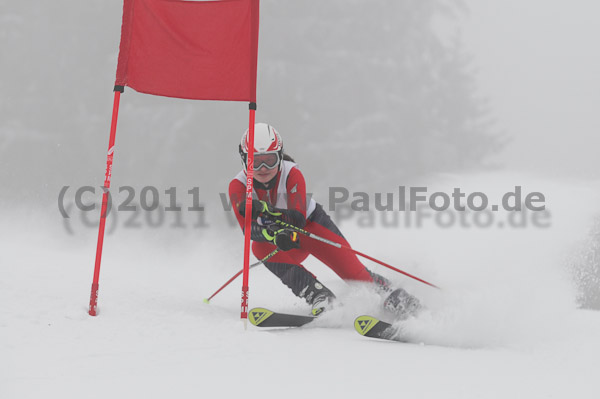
248 217
109 161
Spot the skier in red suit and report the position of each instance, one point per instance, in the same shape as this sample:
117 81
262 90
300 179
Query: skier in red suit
280 192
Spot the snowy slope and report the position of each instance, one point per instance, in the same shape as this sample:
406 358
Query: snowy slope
505 324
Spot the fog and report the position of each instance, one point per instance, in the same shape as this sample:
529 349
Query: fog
538 66
380 92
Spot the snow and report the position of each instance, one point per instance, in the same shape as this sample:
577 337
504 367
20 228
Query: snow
504 325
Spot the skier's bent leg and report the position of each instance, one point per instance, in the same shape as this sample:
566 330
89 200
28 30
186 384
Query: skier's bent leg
347 265
343 262
287 267
303 284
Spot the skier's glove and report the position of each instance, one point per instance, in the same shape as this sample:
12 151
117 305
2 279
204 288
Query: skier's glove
268 216
284 239
260 208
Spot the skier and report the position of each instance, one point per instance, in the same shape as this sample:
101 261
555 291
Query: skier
280 193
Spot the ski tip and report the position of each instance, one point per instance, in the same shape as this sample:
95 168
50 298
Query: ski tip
364 324
258 315
206 301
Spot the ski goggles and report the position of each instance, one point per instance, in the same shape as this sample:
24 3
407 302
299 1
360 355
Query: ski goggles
269 160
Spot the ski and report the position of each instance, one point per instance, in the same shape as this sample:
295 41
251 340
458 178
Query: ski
261 317
372 327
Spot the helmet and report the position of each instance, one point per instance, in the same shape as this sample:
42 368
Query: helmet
267 142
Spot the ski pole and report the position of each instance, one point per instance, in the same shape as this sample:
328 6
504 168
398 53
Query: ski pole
341 246
207 300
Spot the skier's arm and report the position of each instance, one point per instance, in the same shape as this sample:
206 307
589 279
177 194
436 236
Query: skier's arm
266 214
282 238
237 195
296 203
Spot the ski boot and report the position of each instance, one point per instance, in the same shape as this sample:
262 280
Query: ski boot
398 301
402 304
382 284
318 296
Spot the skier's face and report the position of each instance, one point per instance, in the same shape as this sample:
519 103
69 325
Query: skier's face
265 175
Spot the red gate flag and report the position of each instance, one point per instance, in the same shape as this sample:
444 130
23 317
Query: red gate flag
199 50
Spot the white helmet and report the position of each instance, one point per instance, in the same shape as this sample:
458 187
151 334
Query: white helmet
267 142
